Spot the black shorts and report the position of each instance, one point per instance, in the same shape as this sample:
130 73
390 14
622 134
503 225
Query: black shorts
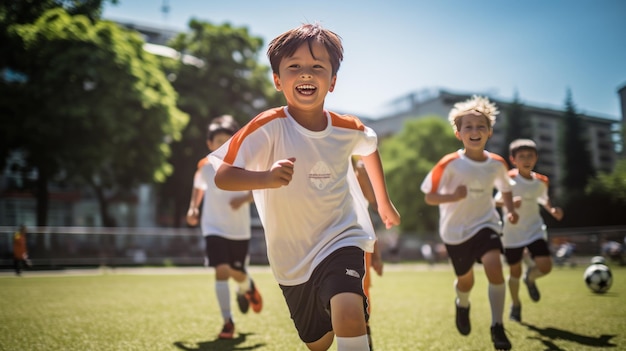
464 255
220 250
537 248
309 303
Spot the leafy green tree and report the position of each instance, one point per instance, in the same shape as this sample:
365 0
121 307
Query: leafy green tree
602 203
92 104
408 157
517 125
23 12
223 77
610 190
577 166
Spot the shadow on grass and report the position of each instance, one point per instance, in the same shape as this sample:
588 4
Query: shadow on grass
218 344
548 335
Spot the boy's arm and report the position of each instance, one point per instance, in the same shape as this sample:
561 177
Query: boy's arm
365 183
386 210
236 202
193 213
507 198
377 260
556 212
229 177
436 198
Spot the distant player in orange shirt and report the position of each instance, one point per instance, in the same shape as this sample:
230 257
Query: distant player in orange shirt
20 251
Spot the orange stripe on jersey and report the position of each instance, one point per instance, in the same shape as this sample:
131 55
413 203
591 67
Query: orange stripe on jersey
346 121
514 172
542 178
257 122
499 158
439 168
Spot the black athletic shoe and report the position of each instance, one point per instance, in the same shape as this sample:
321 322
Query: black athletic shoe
516 313
243 302
500 341
462 320
532 290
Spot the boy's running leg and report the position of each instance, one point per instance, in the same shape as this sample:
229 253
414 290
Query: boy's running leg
462 302
223 299
516 305
254 297
497 294
348 319
543 266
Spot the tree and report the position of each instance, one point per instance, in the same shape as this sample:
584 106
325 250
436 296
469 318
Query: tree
11 103
225 79
577 166
408 157
93 104
517 125
610 191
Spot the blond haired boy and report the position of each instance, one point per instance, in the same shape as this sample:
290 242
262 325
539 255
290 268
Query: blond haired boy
462 185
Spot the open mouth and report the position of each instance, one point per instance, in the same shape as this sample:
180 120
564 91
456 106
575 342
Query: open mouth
475 139
306 89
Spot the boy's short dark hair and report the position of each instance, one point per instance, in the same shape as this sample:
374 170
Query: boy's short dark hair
522 144
287 43
222 124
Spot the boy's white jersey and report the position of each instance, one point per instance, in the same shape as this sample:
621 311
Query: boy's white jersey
530 226
218 217
317 213
460 220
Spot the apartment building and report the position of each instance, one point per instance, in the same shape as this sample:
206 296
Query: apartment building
546 128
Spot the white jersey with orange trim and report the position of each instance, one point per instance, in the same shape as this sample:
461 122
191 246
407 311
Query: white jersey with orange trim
218 217
460 220
530 226
318 212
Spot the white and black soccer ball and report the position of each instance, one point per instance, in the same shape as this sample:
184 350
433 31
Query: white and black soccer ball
598 278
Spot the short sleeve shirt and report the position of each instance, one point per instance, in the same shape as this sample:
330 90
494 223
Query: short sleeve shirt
530 227
460 220
317 213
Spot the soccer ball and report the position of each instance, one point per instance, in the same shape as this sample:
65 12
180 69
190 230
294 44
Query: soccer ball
598 278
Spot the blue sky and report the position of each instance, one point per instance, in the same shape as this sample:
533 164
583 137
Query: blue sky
538 48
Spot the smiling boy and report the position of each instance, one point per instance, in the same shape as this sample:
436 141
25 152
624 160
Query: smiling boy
297 160
462 184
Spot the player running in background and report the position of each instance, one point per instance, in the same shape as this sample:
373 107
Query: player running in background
529 232
226 229
297 161
20 250
462 184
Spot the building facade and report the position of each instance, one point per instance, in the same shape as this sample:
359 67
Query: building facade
545 124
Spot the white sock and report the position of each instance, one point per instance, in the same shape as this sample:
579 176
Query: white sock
353 343
534 273
223 298
244 285
462 298
514 289
497 294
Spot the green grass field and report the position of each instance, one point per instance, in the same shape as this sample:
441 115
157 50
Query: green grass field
164 309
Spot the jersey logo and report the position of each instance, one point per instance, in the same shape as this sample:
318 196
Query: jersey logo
475 189
319 175
352 273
